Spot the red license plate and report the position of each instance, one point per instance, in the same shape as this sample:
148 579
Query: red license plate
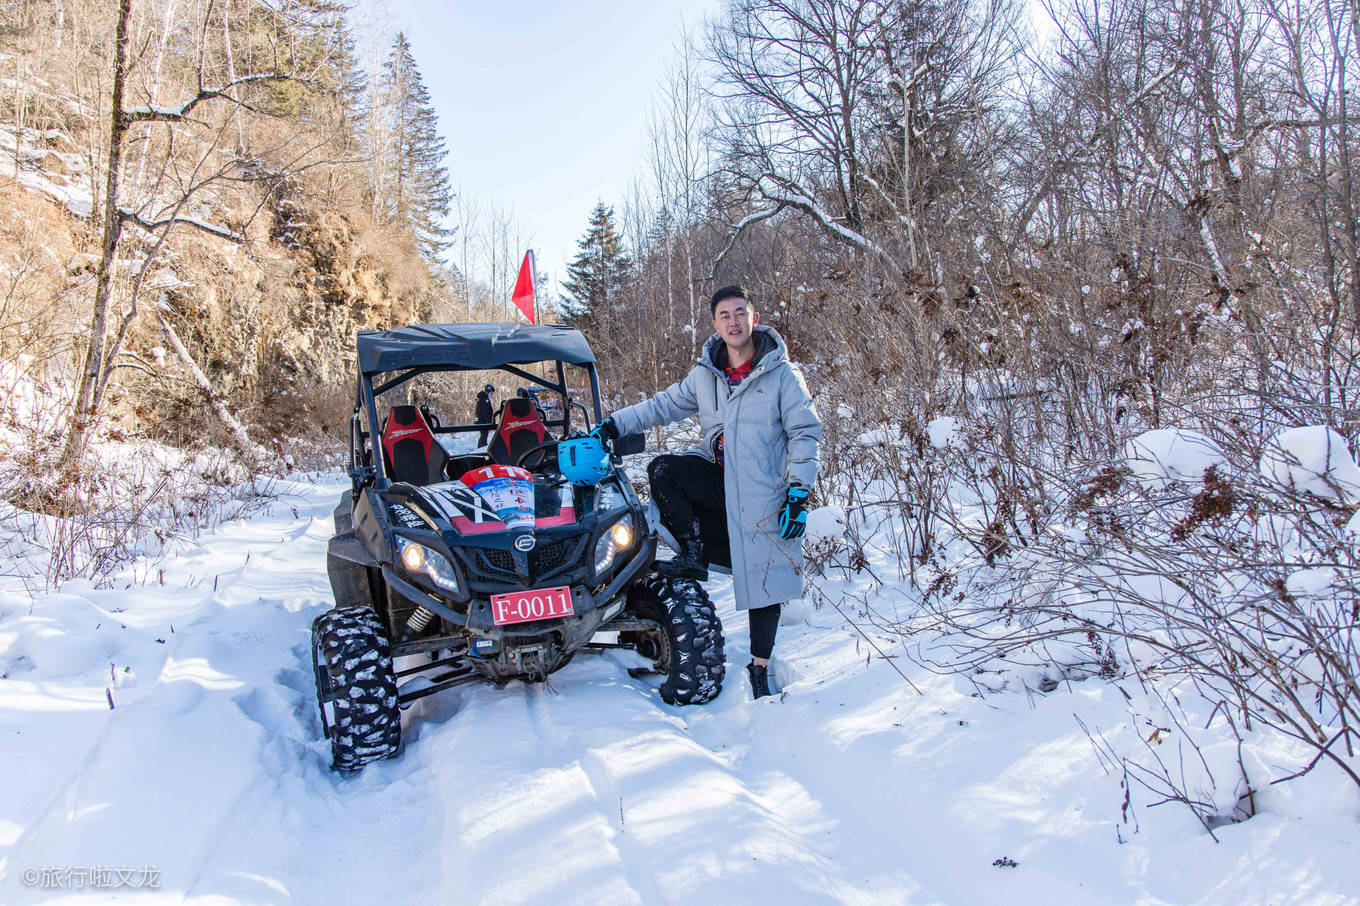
534 604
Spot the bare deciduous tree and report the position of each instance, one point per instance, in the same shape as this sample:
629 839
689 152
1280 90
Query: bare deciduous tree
171 191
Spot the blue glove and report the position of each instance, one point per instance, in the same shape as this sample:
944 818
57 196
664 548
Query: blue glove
606 432
793 521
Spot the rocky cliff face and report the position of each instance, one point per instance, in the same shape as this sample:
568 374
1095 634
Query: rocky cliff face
270 321
261 328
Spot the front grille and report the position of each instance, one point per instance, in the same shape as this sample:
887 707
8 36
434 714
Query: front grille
497 561
560 557
549 557
545 562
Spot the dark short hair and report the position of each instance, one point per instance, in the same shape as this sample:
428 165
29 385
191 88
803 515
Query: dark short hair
727 292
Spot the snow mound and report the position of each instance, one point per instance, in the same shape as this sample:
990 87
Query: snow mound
1352 529
1314 582
876 437
1168 455
1313 460
826 522
945 431
794 612
66 635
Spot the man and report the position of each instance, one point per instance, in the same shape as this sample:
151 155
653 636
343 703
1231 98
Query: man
485 412
740 496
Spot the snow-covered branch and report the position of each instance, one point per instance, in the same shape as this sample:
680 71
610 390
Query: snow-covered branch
737 228
887 199
789 197
156 114
221 232
1159 81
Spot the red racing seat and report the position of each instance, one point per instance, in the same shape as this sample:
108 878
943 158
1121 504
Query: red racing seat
520 429
410 451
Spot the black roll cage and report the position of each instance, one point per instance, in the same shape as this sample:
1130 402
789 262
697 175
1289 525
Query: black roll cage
365 402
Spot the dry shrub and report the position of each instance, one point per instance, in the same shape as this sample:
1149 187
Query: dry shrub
40 266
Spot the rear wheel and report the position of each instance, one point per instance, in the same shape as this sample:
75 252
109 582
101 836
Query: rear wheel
356 687
688 646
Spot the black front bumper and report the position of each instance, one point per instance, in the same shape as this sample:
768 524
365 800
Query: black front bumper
569 633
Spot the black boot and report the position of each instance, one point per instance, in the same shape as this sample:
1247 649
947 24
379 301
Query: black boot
688 564
760 680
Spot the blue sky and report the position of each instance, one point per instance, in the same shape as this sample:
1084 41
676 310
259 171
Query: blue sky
543 104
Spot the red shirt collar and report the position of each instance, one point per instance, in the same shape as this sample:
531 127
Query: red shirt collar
738 374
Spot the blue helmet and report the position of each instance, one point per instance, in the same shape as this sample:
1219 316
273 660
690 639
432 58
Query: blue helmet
583 460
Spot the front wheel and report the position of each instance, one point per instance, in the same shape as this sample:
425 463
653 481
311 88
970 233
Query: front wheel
356 686
688 647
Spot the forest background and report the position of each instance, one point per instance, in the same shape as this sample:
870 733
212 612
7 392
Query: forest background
1001 258
1152 188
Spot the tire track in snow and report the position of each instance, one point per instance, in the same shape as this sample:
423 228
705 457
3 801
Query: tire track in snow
634 857
62 798
574 751
694 826
509 793
522 823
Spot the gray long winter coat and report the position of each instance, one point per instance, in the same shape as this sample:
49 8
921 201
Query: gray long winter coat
771 433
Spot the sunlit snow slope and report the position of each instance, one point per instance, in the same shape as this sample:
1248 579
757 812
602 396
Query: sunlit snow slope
209 778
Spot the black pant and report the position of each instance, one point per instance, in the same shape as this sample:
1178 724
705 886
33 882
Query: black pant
688 491
689 494
764 624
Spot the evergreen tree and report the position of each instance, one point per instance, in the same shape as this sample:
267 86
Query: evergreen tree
598 271
418 194
331 85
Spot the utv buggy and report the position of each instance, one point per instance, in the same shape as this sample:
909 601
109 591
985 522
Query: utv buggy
494 563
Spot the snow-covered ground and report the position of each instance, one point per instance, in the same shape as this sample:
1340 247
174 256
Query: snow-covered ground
208 782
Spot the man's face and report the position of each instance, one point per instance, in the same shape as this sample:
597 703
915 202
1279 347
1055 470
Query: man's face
734 319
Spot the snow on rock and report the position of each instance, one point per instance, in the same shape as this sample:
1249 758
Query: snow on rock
945 431
1312 460
825 522
75 194
1324 792
1165 456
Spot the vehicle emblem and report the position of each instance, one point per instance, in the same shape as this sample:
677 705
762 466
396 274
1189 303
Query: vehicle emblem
524 543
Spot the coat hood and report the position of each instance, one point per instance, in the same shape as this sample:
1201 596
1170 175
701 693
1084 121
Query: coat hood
770 350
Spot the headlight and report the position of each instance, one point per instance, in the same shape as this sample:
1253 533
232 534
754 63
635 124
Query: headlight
417 558
618 538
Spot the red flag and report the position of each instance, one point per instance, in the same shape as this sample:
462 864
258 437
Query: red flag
523 296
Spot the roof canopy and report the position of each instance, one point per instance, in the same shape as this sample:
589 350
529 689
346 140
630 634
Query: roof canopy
470 346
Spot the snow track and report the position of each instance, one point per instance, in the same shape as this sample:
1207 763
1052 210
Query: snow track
211 771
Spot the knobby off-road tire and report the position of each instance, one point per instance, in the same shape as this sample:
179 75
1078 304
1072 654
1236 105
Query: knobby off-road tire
690 645
352 661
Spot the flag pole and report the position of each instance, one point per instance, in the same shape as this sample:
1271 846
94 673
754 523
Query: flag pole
533 282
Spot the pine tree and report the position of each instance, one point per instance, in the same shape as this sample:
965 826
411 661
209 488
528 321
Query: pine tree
598 271
418 193
332 84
